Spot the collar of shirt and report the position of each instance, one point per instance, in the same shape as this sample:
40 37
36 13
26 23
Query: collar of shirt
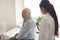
47 14
27 19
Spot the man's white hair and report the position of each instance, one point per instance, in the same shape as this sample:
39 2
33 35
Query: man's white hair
27 10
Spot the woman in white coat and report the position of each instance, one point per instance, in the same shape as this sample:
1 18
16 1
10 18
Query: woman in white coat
49 24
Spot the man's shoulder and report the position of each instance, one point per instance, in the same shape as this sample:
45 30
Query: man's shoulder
31 21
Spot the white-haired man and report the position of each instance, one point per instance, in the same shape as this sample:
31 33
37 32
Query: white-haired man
28 29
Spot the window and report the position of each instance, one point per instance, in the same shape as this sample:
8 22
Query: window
34 6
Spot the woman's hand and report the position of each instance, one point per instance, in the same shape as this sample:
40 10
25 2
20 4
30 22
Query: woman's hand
37 32
37 23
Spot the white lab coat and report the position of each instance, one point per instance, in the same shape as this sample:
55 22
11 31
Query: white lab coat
47 28
28 30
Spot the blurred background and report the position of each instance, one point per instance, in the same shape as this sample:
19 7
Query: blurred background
10 13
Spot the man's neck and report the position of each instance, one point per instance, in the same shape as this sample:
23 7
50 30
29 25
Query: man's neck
27 18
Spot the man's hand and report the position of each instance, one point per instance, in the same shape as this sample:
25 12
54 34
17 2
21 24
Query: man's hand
16 34
14 38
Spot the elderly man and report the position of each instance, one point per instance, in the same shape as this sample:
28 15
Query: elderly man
28 29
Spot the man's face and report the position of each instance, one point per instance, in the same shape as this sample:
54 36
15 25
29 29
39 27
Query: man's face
25 14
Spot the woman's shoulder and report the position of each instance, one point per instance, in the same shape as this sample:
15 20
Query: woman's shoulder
47 18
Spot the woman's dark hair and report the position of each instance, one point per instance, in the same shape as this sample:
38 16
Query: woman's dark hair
49 7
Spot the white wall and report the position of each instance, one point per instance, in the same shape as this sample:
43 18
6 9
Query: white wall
7 13
19 6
